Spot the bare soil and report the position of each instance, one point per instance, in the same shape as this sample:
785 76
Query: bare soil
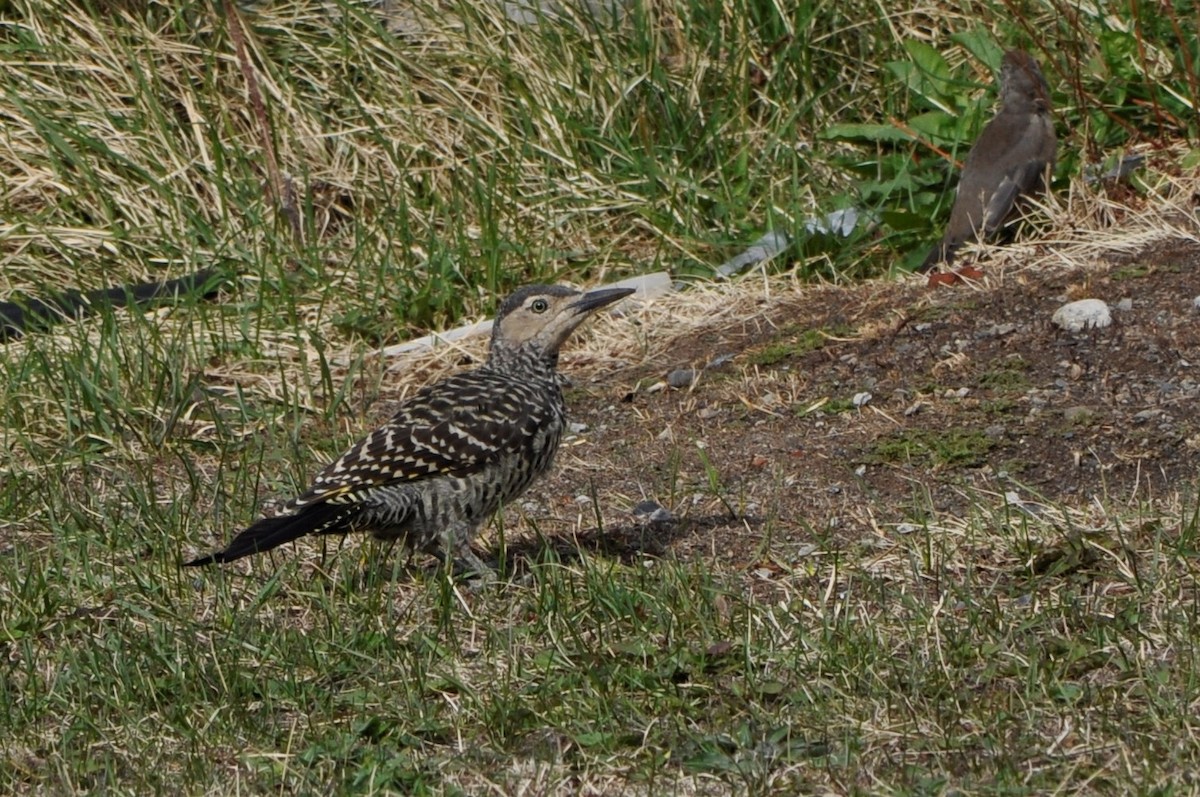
972 391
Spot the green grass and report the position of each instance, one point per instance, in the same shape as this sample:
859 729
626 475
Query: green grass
123 671
800 342
433 175
937 449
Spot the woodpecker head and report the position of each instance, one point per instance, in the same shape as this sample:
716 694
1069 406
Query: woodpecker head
537 319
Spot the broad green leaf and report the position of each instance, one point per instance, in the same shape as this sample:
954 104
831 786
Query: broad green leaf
982 45
864 132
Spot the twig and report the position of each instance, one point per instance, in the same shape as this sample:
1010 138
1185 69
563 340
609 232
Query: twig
280 190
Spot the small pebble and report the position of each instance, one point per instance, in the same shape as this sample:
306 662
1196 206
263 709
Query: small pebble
719 360
998 330
682 377
861 399
651 512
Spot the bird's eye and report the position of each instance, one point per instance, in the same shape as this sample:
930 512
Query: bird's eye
539 305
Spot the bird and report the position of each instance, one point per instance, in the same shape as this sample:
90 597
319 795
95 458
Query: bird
1009 161
454 452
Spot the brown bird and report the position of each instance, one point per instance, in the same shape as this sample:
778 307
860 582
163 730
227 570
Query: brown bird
456 451
1010 159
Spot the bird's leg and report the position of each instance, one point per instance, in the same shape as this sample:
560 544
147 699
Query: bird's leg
456 547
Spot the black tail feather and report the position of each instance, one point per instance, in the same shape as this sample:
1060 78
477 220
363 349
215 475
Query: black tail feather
272 532
30 314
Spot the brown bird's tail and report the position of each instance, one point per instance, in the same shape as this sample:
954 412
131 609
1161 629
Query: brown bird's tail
271 532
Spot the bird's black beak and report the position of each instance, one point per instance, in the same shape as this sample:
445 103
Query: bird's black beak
594 300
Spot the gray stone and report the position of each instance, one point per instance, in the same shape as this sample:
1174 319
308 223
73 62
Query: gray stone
718 361
651 512
998 331
682 377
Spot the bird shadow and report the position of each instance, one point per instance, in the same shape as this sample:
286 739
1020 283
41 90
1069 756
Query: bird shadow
626 543
512 562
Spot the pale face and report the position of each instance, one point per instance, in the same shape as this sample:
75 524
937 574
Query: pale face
542 319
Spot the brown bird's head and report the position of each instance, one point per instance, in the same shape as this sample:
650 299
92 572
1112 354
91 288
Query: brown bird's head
536 320
1023 89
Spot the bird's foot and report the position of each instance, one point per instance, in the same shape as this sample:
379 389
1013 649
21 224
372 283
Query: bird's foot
474 571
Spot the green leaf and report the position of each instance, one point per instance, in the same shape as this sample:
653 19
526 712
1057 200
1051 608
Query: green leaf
936 125
593 739
903 220
865 132
928 60
928 76
982 45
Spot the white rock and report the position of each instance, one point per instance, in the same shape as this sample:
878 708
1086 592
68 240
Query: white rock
437 338
1083 314
861 399
648 286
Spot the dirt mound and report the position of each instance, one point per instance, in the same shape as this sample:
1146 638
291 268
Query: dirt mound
843 413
